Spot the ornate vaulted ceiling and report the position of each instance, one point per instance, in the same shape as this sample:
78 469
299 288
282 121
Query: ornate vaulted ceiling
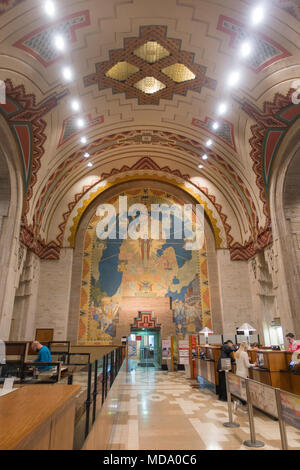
150 77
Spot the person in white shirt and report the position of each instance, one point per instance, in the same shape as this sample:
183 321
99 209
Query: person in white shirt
242 365
242 361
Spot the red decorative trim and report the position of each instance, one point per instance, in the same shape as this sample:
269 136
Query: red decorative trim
38 246
244 252
30 112
261 36
145 163
206 127
90 122
20 44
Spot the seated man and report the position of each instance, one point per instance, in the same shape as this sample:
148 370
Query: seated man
44 355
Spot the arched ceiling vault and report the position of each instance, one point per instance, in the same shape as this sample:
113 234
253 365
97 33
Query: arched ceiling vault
149 77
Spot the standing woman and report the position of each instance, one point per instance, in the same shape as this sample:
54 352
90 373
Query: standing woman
243 363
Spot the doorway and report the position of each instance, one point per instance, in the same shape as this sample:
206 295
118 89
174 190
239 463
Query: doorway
148 347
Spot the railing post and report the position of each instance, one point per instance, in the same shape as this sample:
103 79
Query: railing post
95 392
106 373
103 379
88 401
70 379
112 368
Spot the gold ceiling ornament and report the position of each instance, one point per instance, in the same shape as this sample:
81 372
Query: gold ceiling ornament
149 85
122 71
179 73
151 52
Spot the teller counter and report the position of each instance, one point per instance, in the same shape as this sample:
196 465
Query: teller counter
273 369
38 417
207 361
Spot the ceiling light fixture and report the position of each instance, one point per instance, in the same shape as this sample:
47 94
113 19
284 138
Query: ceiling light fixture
209 143
67 73
90 164
234 78
86 155
75 105
222 109
83 140
59 43
215 126
200 166
49 8
204 157
80 123
246 49
257 15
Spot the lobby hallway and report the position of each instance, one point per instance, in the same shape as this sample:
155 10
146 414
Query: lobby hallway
150 409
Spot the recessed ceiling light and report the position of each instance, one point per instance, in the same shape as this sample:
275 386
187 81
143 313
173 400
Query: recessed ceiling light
83 140
90 164
222 108
246 49
86 155
257 15
75 105
234 78
67 73
80 123
59 43
200 166
49 8
209 143
204 157
215 126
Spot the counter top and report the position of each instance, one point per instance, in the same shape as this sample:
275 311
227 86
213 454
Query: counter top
26 409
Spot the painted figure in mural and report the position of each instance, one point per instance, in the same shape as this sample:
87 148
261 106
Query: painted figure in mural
118 268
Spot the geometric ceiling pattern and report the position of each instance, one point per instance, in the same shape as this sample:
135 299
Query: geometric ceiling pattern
225 131
265 50
70 128
39 43
150 67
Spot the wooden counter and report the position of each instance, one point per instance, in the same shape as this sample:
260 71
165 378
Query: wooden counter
38 417
207 369
273 369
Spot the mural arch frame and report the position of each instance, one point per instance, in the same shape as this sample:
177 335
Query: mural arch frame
81 230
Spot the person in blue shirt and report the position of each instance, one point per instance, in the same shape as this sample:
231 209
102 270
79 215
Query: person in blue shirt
44 355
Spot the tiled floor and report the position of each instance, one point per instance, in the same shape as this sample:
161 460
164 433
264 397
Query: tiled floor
161 410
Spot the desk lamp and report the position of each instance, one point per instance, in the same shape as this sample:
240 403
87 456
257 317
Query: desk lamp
246 328
206 331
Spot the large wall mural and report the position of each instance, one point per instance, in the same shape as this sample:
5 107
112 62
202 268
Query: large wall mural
115 269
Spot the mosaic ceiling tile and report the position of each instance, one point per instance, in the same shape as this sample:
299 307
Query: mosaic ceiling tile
151 52
149 85
266 51
179 73
39 43
225 132
122 71
70 129
182 73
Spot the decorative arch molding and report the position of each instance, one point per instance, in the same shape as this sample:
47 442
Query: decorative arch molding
63 174
72 219
24 118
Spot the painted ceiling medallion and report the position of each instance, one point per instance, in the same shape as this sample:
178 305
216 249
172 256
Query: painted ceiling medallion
150 67
149 85
151 52
121 71
179 73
